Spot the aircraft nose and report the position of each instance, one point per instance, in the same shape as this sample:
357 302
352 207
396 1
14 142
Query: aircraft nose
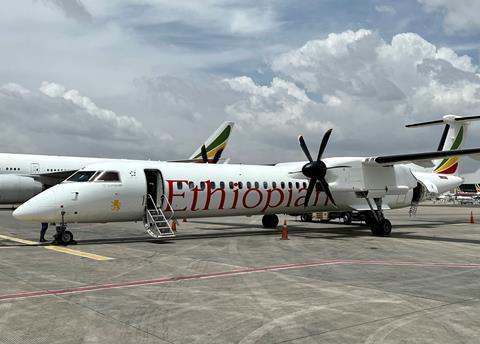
25 212
40 208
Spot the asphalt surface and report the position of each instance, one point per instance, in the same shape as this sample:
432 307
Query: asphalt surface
227 280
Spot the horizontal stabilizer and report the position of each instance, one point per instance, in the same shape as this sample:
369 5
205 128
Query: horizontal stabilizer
412 158
444 120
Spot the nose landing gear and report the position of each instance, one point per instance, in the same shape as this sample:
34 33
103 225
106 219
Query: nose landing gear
63 237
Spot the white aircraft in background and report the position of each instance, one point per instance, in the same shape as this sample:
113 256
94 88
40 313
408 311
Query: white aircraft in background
22 176
158 191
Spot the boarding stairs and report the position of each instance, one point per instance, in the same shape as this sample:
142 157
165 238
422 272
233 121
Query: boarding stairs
156 223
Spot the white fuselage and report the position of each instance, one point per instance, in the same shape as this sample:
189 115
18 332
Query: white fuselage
32 164
204 190
19 173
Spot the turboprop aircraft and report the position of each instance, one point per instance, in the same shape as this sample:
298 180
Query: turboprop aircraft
22 176
156 192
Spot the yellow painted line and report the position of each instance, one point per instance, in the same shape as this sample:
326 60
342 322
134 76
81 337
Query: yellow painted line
58 248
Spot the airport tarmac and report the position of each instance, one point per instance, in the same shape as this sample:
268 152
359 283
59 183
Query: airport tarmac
227 280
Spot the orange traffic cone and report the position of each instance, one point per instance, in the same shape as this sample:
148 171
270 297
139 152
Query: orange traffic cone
472 220
174 225
284 230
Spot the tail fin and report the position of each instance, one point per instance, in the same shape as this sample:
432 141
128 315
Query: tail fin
215 143
452 138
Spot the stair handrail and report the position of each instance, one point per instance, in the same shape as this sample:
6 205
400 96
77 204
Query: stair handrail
169 207
150 214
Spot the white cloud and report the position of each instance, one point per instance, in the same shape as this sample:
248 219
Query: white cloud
363 87
385 9
122 122
246 17
57 121
13 88
276 106
459 15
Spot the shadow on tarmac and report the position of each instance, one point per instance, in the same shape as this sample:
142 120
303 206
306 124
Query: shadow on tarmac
335 232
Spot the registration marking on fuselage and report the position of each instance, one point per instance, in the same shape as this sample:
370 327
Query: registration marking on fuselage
57 248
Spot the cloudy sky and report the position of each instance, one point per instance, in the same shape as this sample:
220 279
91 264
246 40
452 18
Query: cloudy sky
153 78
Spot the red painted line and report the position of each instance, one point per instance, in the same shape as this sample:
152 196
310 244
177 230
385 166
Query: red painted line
157 281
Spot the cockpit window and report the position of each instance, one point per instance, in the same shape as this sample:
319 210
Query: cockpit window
81 176
108 176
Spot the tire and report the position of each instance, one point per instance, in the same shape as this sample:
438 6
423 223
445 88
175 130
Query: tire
67 237
270 221
347 218
306 218
382 228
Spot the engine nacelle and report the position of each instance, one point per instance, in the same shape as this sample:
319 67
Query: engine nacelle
18 189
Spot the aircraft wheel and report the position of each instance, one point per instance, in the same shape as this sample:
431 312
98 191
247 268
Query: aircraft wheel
306 218
382 228
270 221
347 218
67 237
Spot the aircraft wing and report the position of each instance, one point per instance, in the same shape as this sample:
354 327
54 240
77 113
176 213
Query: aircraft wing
420 158
52 178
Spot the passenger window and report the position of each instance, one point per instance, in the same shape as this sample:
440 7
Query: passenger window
212 184
265 185
240 185
304 185
179 185
282 184
257 185
202 186
274 185
249 185
297 185
191 185
230 185
222 185
108 176
290 185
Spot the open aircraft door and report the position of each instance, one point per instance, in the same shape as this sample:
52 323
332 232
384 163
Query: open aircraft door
155 188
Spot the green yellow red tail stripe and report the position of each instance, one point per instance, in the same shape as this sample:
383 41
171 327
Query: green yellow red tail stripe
450 165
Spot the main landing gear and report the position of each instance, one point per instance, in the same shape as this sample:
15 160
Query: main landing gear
375 219
270 221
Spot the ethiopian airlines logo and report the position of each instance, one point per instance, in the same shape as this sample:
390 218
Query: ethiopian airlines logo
116 205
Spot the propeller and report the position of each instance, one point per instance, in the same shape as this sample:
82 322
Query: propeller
316 169
216 157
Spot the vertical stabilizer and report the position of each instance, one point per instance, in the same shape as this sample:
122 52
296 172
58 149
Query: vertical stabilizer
216 143
454 140
453 137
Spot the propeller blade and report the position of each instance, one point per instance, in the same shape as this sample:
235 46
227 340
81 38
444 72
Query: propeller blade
217 156
311 186
323 145
204 154
304 148
326 189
